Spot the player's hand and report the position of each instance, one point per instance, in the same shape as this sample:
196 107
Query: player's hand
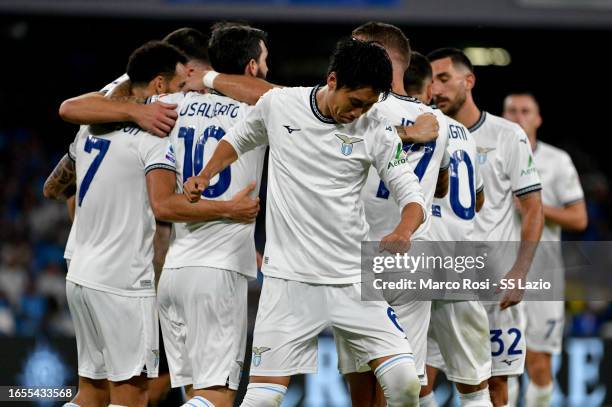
395 243
157 118
243 208
424 129
513 296
193 188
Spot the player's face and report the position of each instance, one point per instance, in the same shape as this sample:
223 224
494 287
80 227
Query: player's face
346 105
522 109
449 86
177 82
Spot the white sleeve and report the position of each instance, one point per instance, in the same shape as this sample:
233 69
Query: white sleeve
567 183
156 153
445 160
391 163
169 98
520 165
72 146
251 132
108 88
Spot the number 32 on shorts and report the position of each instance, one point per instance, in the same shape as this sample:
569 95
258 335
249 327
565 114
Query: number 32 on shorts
496 339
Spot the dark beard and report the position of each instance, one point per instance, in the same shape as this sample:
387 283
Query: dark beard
453 108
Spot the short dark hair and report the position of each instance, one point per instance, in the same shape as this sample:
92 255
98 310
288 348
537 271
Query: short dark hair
456 55
233 45
389 36
152 59
418 72
192 42
521 92
360 64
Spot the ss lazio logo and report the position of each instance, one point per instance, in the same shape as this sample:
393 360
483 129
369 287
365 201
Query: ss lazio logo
347 143
482 153
257 351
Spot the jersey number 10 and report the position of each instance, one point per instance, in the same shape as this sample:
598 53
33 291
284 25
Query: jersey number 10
193 161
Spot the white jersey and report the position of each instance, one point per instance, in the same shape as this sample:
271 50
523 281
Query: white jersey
69 250
315 220
203 120
452 217
111 86
426 160
114 234
560 183
508 168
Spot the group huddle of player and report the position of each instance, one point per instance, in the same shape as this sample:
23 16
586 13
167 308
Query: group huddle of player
181 138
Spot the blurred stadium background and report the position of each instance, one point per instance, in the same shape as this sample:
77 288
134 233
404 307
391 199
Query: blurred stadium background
55 49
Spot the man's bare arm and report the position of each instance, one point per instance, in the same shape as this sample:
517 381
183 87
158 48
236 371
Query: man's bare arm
442 183
171 207
480 200
532 223
246 89
61 183
571 217
95 108
223 156
424 129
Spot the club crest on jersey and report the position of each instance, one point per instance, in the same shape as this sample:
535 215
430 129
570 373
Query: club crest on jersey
257 351
482 153
347 143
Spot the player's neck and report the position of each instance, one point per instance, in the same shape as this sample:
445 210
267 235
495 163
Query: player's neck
397 83
321 100
532 139
469 114
397 86
142 92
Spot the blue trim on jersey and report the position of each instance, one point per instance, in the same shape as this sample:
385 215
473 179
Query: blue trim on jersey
526 190
406 98
272 389
315 108
393 360
159 166
480 122
203 400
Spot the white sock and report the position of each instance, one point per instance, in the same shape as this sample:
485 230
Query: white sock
264 395
198 401
428 401
513 390
537 396
480 398
399 380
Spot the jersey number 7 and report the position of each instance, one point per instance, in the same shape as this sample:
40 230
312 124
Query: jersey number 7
101 145
419 170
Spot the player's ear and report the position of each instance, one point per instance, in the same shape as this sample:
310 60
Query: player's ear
332 81
251 68
429 92
538 122
470 80
159 84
